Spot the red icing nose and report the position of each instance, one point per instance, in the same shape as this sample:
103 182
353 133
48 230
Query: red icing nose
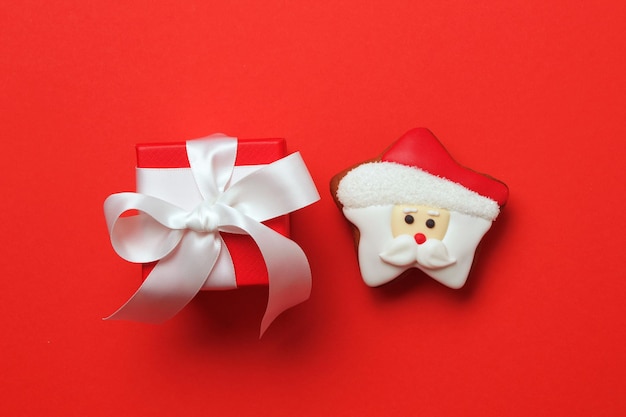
419 238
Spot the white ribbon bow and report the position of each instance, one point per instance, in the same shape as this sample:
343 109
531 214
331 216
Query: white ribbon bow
188 245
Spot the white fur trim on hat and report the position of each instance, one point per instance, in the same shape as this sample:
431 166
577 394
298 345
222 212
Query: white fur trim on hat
383 183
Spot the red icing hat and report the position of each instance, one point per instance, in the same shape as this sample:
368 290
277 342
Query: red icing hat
421 149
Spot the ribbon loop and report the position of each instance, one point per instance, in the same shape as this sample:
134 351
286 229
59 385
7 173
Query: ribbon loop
187 243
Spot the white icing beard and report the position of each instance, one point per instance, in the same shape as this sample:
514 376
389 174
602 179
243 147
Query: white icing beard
374 224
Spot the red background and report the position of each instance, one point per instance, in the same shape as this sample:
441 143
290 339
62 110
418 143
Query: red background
531 92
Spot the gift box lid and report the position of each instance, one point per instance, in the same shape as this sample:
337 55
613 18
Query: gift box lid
247 259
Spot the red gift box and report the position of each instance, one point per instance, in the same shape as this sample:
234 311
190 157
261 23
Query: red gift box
247 260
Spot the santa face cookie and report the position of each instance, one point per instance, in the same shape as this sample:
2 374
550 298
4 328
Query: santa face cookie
415 207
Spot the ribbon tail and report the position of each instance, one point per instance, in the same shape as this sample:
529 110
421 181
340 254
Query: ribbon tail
174 281
289 278
288 270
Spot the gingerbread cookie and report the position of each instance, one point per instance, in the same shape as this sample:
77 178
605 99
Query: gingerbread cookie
416 207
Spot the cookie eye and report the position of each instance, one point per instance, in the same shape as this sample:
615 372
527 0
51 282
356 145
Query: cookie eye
408 219
430 223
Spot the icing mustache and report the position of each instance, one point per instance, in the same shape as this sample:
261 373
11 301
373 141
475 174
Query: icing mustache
404 251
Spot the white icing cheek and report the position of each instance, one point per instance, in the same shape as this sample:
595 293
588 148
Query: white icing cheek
375 235
462 238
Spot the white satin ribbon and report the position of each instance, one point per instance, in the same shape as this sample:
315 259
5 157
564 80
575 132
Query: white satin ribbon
188 244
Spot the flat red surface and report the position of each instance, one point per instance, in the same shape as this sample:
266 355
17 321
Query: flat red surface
531 92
